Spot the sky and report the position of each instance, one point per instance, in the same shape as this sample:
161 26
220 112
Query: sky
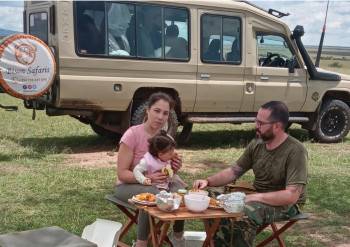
308 13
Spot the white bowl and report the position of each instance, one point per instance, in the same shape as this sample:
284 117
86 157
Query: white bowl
196 203
198 192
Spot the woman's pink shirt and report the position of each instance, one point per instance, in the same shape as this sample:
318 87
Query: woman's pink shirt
136 138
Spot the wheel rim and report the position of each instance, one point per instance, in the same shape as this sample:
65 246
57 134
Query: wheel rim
333 123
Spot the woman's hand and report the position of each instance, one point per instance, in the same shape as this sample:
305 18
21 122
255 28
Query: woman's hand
157 177
176 162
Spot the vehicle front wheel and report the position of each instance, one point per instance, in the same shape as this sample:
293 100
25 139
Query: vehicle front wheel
333 122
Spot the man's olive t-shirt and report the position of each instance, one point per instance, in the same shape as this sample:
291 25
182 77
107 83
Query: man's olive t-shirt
275 169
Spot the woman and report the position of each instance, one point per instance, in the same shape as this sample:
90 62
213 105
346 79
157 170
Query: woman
133 145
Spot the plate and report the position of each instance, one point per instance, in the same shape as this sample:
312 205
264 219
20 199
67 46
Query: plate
215 207
146 203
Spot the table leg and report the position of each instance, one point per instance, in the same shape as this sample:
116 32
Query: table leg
164 232
210 230
153 232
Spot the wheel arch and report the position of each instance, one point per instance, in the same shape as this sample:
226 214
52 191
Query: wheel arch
342 95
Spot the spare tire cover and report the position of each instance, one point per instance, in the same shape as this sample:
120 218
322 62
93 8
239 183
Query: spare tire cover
27 66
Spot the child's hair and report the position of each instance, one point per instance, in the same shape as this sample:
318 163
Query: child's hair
160 143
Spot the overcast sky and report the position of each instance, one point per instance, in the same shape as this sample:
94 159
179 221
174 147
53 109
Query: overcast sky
309 13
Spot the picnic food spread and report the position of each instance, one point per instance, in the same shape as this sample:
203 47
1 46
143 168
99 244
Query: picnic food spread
145 197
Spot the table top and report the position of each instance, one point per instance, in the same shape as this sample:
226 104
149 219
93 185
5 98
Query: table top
184 214
44 237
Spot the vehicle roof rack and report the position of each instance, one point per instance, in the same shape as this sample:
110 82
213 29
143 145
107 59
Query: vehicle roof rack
273 12
277 13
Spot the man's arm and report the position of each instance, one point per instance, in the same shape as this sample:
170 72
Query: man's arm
288 196
221 178
226 176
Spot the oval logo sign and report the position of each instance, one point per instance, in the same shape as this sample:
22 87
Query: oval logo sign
27 66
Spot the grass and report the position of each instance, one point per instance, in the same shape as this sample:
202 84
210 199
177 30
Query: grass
40 186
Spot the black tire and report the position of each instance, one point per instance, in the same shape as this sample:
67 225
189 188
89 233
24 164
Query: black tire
333 122
185 134
105 133
139 116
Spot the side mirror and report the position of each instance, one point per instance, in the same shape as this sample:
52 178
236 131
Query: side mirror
292 64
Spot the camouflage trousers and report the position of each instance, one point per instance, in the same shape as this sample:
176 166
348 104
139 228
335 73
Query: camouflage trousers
242 233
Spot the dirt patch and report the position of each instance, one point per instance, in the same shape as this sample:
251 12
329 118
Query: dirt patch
97 159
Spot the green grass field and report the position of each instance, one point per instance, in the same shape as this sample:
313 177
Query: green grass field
41 186
44 179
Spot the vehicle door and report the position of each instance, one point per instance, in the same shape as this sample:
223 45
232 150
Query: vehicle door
220 61
273 80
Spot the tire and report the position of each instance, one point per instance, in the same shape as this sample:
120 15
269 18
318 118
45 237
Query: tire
333 122
105 133
139 116
185 134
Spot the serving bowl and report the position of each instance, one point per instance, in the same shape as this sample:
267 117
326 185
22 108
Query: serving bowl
198 192
168 201
196 202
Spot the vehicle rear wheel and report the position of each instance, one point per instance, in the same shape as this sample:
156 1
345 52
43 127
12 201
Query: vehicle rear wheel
105 133
185 134
333 122
139 116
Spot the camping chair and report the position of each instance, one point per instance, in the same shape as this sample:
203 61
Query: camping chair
247 188
129 210
276 232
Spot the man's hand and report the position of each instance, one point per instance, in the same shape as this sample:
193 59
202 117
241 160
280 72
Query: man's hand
200 184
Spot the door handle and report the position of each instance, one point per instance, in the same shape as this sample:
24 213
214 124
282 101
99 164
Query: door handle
264 78
205 76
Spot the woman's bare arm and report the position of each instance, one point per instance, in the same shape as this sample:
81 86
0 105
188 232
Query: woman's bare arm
125 158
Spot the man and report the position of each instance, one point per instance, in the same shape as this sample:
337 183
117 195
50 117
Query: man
279 165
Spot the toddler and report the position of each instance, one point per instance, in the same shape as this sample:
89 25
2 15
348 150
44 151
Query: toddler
160 153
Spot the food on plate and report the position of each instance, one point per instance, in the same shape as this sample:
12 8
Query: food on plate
146 197
167 170
214 203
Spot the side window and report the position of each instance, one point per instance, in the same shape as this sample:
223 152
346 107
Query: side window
121 29
149 31
176 34
220 39
132 30
273 51
90 28
38 25
161 32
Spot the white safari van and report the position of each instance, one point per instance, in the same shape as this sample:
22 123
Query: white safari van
218 59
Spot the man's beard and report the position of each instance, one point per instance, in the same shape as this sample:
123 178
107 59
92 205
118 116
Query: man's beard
265 137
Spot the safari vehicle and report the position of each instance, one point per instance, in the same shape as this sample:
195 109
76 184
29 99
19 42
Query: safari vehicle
219 60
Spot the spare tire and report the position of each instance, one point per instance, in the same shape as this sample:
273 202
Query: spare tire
139 116
27 66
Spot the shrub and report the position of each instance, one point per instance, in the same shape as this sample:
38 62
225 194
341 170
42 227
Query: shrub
335 65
